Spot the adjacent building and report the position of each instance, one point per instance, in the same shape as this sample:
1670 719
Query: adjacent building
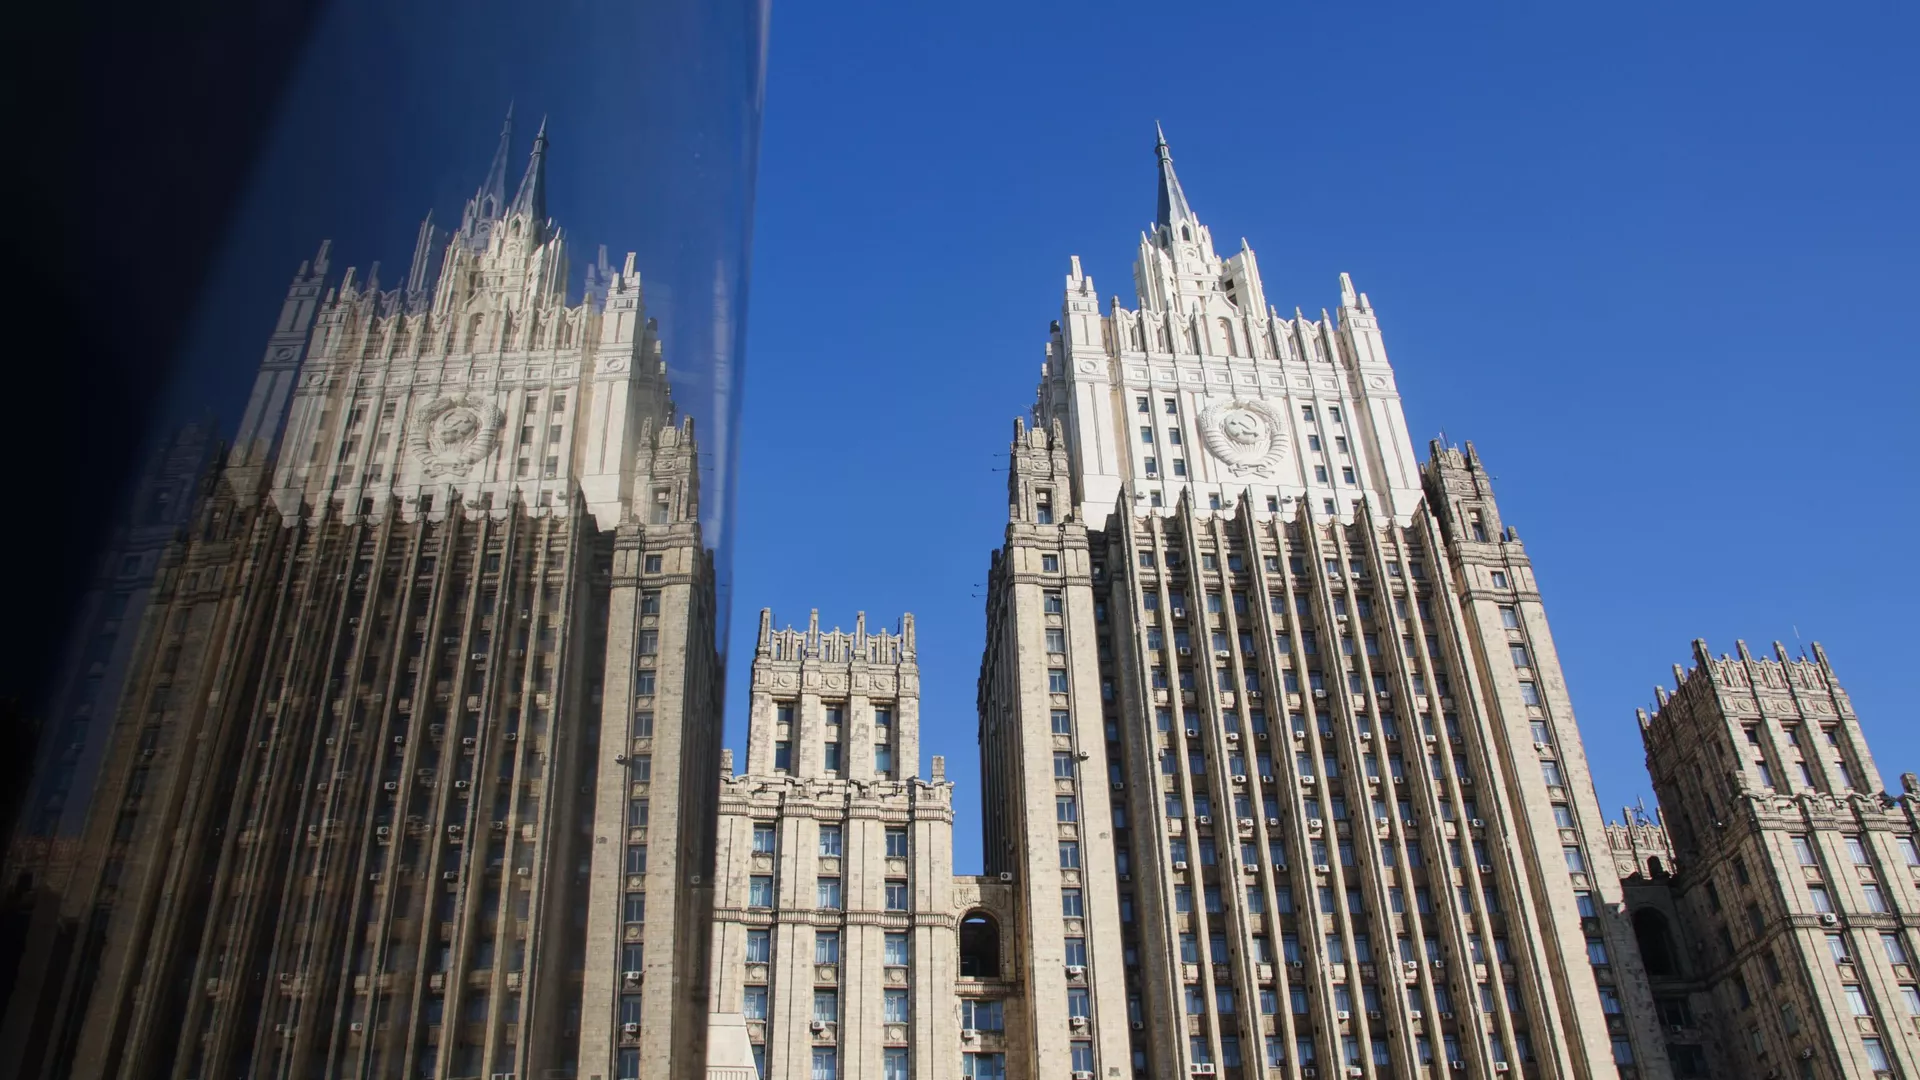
1778 911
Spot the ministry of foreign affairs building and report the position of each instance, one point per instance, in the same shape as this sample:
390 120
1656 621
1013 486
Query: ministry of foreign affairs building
414 763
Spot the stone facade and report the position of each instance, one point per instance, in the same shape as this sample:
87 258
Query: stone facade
837 929
1782 929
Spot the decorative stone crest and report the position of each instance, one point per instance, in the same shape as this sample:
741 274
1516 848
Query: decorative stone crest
453 432
1248 435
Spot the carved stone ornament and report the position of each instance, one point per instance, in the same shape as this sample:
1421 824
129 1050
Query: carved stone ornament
1248 435
453 432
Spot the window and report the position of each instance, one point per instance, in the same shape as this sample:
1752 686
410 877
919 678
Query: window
1062 722
893 1063
1499 579
1857 851
1857 1000
1069 855
827 892
635 908
1076 951
1910 849
1050 564
1876 900
883 717
1529 693
896 843
759 946
1056 640
643 682
1057 680
1822 901
830 757
782 756
1140 404
1065 809
895 1005
830 841
1043 508
1895 949
1518 654
826 1063
896 950
983 1066
1052 604
1509 617
826 946
1550 772
1803 850
1576 860
896 895
981 1015
760 891
754 1004
637 859
652 564
1146 435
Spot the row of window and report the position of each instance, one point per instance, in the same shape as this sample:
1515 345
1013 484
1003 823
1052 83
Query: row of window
827 892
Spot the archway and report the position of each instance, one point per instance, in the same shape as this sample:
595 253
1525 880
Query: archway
979 946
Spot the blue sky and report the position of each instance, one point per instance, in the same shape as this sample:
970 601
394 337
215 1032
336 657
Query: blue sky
1657 264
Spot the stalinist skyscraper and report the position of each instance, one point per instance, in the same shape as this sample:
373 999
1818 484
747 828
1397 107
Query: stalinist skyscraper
415 770
1275 740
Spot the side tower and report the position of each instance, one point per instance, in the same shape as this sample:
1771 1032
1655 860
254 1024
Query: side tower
835 922
1285 703
1797 890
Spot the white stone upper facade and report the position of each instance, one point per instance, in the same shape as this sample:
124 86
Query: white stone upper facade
1205 387
480 376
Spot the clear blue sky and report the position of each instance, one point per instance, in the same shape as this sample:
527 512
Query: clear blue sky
1657 264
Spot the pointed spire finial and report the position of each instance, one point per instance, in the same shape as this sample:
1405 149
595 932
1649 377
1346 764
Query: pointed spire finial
1173 201
492 196
531 199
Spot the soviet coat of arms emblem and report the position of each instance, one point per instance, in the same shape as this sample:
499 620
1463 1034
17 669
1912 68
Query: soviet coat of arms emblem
453 432
1248 436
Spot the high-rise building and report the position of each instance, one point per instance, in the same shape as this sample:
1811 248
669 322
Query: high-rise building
1292 695
444 615
1781 930
837 912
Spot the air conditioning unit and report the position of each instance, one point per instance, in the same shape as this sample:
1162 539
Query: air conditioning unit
1203 819
1233 736
1540 748
1373 1014
1393 736
1806 1051
1306 781
968 1034
1240 778
461 785
1322 868
1251 869
1180 613
630 1030
817 1026
1201 1068
1400 780
1119 785
1076 971
1315 824
1829 919
1414 1014
511 736
1139 1025
1431 739
1486 868
1222 654
437 730
1079 1023
1179 866
1193 733
1383 822
1266 778
1355 1070
1457 1065
499 826
1343 1015
1182 650
1273 822
374 877
1082 1074
1500 1066
1477 823
398 740
523 871
1246 824
1296 965
1366 736
356 1026
1006 876
454 830
1446 1017
469 742
630 978
382 832
451 875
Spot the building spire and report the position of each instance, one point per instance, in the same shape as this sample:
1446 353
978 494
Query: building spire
492 196
1173 202
531 199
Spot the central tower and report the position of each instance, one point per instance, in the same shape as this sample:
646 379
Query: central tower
1276 747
